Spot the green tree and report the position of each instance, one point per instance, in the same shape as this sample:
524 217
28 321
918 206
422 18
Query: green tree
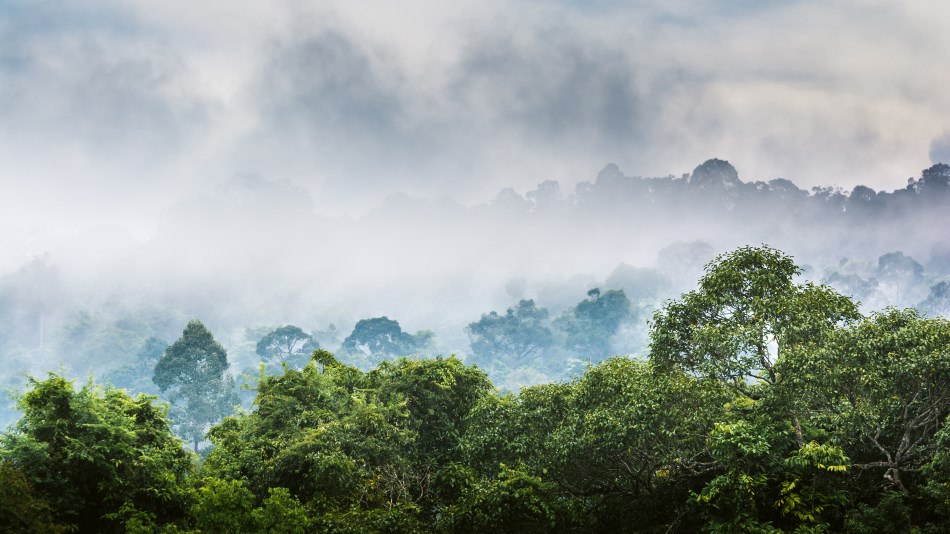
223 506
137 376
192 374
518 335
890 380
589 326
514 501
747 323
98 456
751 329
382 337
281 513
360 451
937 476
287 344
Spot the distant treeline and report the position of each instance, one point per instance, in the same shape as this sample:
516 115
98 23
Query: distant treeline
764 405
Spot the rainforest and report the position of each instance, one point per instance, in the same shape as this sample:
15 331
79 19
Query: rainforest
763 404
283 266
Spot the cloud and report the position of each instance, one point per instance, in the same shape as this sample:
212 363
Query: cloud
74 79
357 101
94 113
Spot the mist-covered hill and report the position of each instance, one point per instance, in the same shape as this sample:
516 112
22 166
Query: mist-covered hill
258 253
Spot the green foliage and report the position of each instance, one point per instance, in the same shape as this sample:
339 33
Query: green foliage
937 473
191 374
355 448
739 500
889 515
513 501
288 345
766 405
280 513
747 313
374 339
192 360
94 452
223 506
890 375
438 395
518 335
20 510
589 326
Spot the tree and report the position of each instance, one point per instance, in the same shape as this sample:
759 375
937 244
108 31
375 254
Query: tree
746 315
938 302
137 376
714 175
750 325
20 510
900 274
514 501
382 337
98 456
589 326
891 378
517 335
632 442
288 344
192 374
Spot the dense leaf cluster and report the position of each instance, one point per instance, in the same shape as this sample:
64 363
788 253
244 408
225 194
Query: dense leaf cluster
766 405
525 337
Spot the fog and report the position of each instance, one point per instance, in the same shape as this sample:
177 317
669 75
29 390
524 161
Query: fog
257 252
112 111
256 164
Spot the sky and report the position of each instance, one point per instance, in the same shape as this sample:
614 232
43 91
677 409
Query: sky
114 111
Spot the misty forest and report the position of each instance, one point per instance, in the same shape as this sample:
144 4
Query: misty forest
722 387
519 266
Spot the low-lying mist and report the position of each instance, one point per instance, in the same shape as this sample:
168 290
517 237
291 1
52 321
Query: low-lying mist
258 253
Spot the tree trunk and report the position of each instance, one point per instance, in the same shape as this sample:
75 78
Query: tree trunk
798 431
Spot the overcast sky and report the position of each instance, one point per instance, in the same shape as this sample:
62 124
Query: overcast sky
113 110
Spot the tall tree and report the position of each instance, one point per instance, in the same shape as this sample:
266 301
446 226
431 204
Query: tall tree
192 374
382 337
747 313
287 344
589 326
890 380
519 334
747 324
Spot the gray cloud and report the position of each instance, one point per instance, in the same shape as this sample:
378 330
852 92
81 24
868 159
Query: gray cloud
116 109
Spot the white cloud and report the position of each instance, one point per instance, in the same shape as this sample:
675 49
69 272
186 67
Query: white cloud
360 99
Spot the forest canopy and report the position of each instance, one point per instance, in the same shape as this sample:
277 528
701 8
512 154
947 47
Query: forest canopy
764 404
